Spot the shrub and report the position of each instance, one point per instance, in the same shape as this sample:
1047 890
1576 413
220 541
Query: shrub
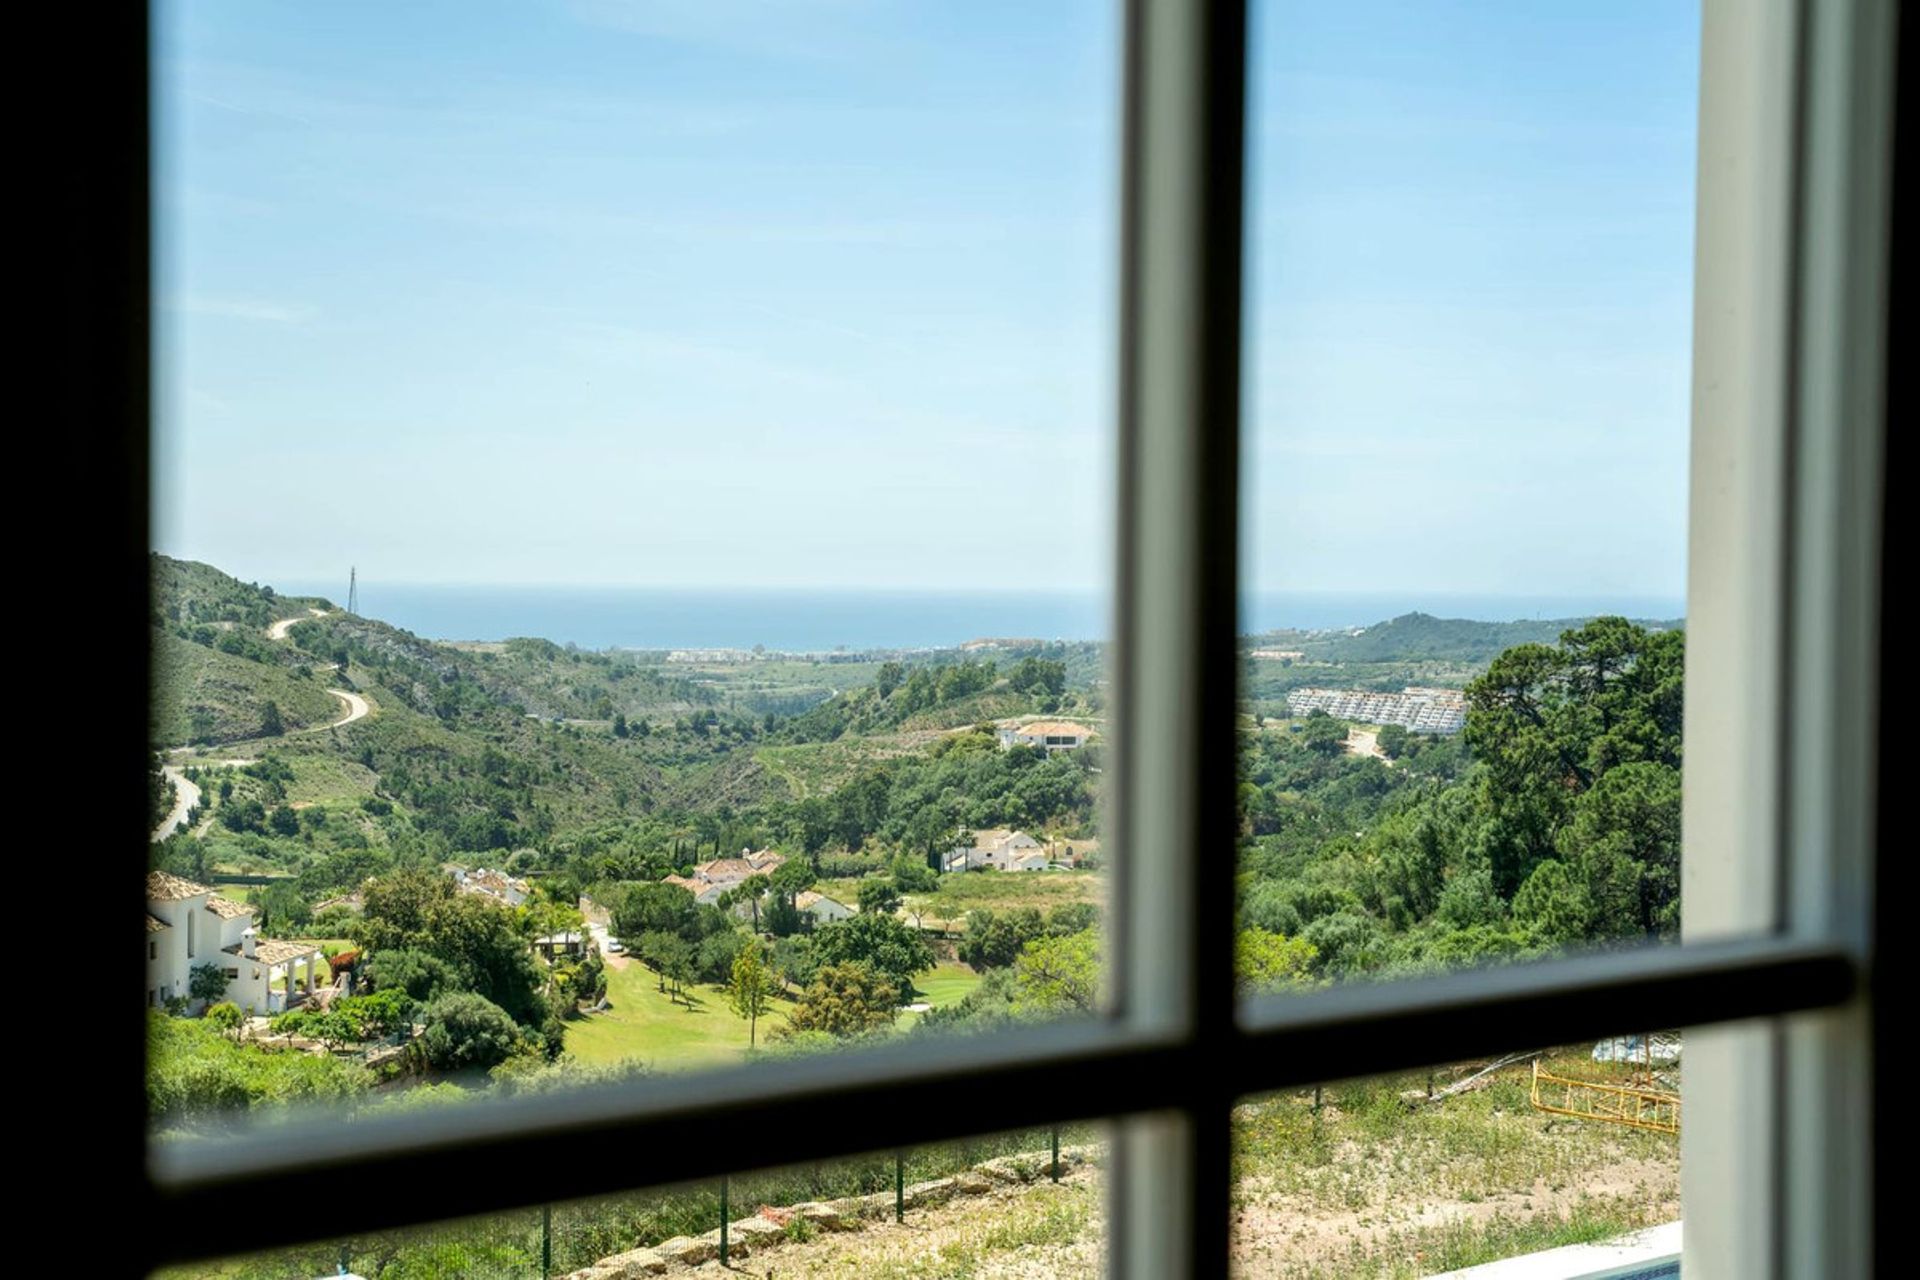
467 1030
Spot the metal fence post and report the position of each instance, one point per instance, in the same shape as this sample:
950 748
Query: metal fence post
1056 1153
546 1242
724 1180
899 1186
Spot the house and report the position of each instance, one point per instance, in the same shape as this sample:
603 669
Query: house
1000 849
497 885
823 909
554 945
711 879
189 925
1048 735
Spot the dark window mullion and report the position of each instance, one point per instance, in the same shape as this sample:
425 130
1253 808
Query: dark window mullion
1178 569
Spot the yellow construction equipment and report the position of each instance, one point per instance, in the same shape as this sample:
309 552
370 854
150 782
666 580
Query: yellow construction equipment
1617 1104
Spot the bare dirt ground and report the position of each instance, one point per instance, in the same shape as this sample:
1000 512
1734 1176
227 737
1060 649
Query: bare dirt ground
1365 742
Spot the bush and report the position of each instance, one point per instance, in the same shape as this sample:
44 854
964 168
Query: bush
466 1030
422 976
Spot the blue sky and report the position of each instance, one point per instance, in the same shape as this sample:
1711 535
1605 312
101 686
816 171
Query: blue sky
701 293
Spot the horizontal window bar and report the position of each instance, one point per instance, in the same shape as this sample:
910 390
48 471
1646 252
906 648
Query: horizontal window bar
677 1128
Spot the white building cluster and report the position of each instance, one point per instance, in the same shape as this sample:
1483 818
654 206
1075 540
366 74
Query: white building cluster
1422 710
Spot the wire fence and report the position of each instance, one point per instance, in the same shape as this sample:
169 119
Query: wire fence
551 1240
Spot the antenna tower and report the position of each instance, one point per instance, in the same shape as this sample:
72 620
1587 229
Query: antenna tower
353 590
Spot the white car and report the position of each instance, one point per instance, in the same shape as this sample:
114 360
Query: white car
615 946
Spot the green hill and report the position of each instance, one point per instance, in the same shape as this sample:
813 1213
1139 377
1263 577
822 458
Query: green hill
215 670
205 696
1421 637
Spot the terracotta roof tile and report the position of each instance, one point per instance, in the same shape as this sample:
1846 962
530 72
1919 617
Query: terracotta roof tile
162 887
273 951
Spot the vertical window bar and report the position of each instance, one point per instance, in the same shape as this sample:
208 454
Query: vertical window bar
1832 679
1732 881
1178 680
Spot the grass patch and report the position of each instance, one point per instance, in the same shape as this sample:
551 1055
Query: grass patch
962 892
947 984
645 1025
1376 1185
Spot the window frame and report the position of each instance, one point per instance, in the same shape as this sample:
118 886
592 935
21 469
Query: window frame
1178 1051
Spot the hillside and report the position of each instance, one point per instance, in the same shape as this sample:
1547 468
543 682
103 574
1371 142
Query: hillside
204 695
1421 637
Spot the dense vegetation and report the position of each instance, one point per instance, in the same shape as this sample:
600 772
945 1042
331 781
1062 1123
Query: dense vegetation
1553 820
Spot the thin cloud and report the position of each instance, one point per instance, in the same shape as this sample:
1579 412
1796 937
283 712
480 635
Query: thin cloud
257 310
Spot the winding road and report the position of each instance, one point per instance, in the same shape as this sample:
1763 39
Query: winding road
278 630
187 795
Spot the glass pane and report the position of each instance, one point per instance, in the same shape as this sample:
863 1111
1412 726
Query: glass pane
1026 1203
1574 1150
633 538
1468 363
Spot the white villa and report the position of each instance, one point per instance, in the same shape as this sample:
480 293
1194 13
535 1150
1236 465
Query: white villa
711 879
1048 735
497 885
822 908
189 925
1000 849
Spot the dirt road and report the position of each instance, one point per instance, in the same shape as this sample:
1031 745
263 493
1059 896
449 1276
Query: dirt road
186 796
356 710
278 630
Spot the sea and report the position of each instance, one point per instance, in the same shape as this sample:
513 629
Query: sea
838 619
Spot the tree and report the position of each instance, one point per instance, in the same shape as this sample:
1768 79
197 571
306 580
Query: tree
394 911
993 939
284 821
1059 975
271 726
889 946
619 725
1394 740
751 890
1553 904
1324 734
781 917
1265 962
879 896
715 954
1624 843
384 1013
422 976
793 961
913 875
466 1030
845 1000
751 988
654 907
207 982
226 1018
670 956
1344 942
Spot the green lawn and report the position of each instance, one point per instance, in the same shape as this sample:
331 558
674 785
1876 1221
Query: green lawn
645 1025
946 984
668 1035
